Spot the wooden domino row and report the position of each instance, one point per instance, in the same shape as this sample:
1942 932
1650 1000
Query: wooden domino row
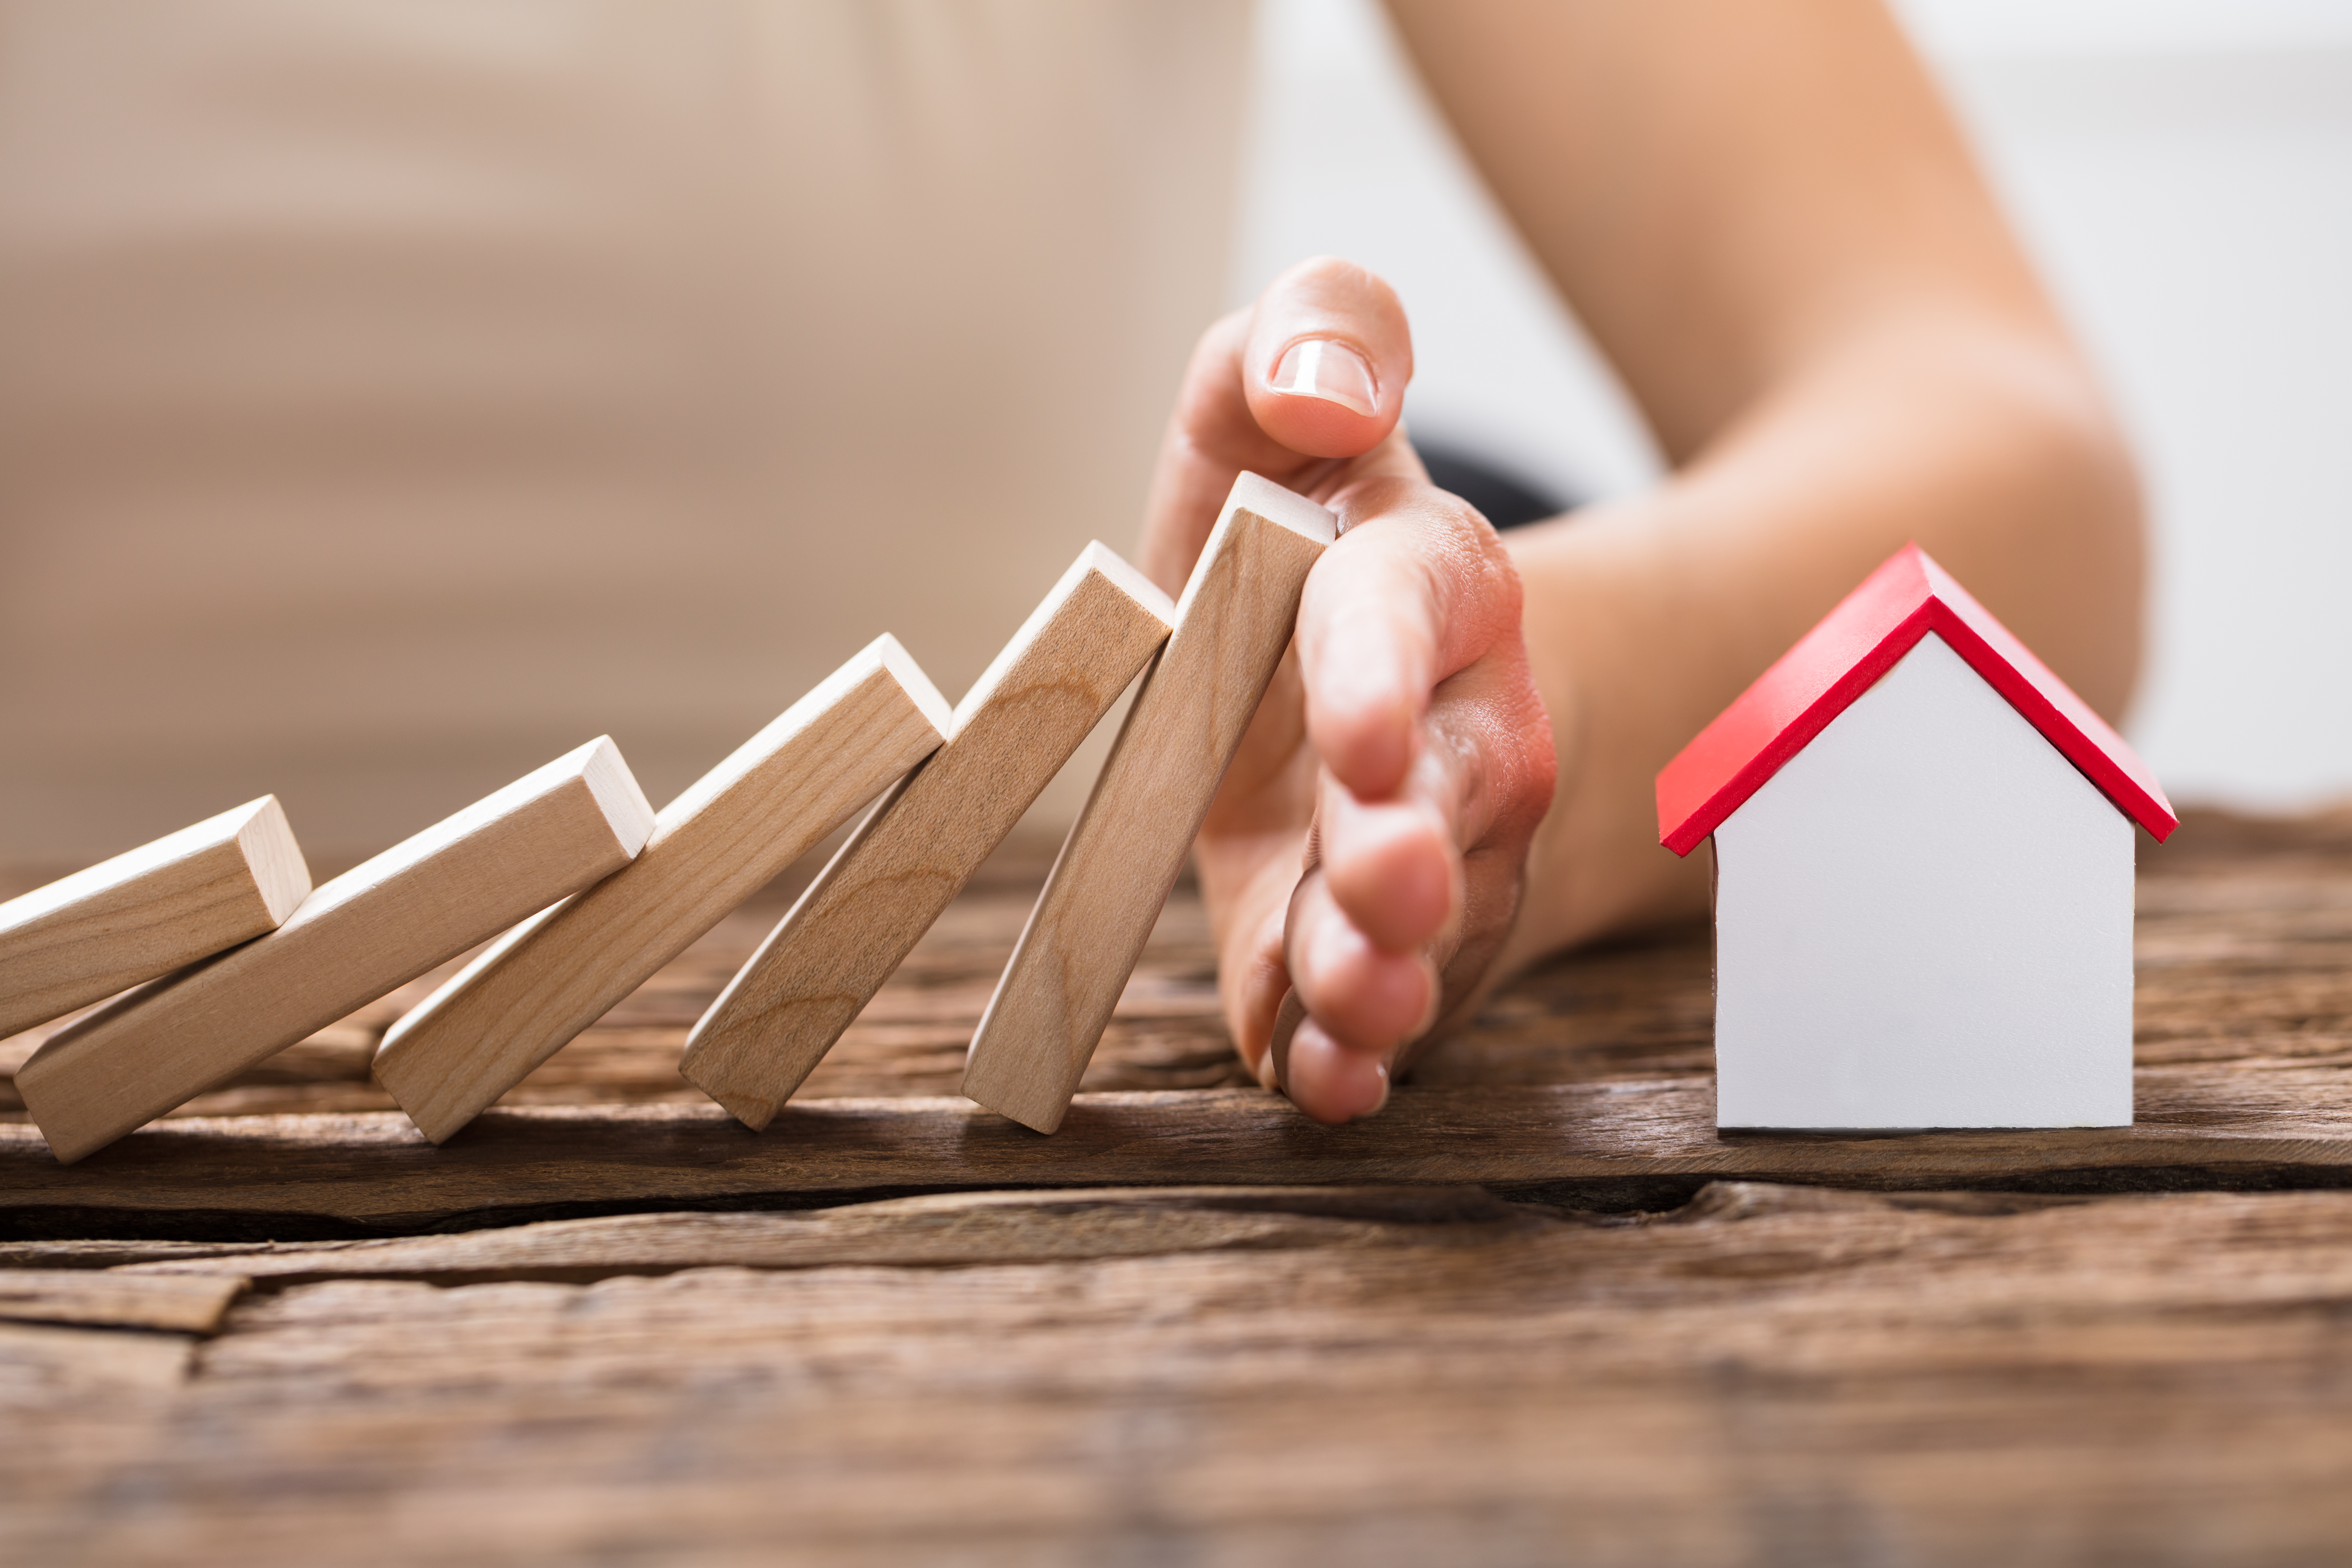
230 955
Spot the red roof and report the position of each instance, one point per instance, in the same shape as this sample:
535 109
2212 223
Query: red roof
1843 657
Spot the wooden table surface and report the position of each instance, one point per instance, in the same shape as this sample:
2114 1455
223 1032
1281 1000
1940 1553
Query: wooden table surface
1538 1311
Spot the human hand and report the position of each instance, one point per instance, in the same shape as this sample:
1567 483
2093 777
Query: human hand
1368 845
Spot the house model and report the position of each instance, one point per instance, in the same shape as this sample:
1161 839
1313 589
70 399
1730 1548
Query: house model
1922 876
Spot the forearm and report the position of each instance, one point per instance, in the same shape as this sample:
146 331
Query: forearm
1981 437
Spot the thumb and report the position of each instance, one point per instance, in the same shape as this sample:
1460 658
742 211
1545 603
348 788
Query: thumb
1326 360
1309 378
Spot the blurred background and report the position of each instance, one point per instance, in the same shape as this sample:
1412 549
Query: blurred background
394 396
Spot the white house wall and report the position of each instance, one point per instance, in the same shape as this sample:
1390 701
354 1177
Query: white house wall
1925 919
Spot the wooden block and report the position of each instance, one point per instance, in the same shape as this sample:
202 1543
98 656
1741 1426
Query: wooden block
1011 732
156 909
1122 859
713 846
380 925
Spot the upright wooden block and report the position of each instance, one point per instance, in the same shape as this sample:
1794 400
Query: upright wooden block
1013 730
1123 856
147 912
379 926
713 846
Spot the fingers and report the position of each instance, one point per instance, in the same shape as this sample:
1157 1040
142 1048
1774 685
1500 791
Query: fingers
1392 866
1247 881
1366 996
1300 388
1405 726
1393 932
1328 359
1417 589
1332 1082
1394 929
1377 920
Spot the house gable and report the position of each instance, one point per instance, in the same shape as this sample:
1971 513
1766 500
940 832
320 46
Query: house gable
1837 662
1925 919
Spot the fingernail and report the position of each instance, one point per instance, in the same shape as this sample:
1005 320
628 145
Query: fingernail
1331 370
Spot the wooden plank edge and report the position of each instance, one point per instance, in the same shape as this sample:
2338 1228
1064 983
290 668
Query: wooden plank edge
940 1230
1608 1145
191 1303
995 1229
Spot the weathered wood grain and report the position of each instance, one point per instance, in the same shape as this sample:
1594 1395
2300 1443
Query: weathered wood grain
548 834
68 1254
1765 1375
948 1229
187 1302
1012 733
1617 1145
45 1366
730 835
1768 1373
1031 1048
148 911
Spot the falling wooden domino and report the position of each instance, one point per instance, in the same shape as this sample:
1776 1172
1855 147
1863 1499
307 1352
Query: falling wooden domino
147 912
374 928
713 846
1122 859
1009 736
